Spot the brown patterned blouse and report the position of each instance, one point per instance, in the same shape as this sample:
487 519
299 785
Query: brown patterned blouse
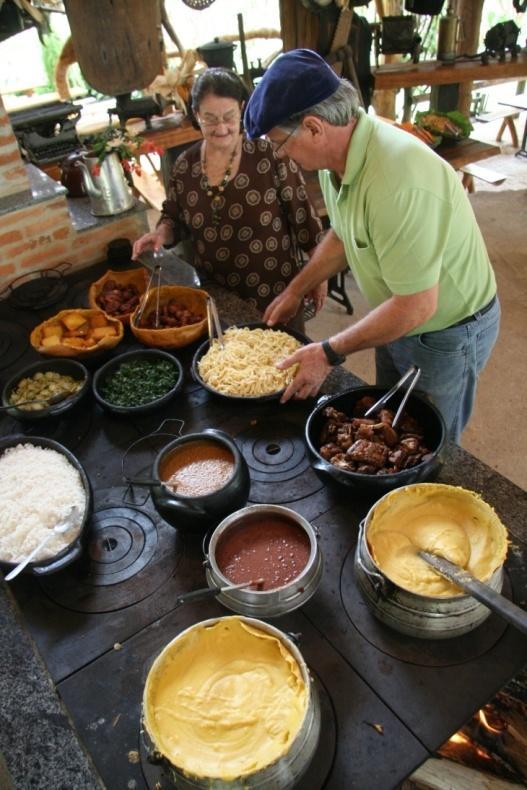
264 213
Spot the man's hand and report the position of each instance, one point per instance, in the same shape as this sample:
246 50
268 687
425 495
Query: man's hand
318 295
282 309
314 367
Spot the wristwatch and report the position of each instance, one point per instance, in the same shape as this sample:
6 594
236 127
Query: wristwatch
331 355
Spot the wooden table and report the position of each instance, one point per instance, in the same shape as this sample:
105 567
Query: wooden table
445 78
518 104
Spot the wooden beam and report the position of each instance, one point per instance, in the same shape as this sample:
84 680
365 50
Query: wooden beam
432 72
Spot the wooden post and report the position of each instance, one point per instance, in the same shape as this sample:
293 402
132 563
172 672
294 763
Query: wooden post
470 12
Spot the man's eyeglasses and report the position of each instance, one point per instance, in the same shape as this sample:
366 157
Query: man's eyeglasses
276 146
228 119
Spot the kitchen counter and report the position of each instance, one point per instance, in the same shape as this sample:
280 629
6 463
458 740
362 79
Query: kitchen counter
40 743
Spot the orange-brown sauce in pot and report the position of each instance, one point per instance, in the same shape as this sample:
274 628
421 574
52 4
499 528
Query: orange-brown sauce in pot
268 547
197 468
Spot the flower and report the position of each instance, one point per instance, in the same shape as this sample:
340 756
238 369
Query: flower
129 148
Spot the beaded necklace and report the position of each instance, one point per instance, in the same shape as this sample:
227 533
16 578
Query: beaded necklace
215 192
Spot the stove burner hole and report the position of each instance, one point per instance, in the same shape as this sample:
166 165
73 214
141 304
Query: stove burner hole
109 544
272 449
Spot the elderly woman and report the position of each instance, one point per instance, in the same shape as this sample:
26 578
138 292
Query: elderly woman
245 210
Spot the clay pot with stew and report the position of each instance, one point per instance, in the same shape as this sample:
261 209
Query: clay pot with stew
202 477
271 545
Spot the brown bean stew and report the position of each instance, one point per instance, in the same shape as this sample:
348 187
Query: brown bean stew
266 547
197 468
371 446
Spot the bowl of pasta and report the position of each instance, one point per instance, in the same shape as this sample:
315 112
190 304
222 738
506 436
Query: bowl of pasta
245 367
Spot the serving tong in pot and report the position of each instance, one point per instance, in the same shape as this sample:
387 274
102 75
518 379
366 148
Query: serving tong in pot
413 371
156 273
213 322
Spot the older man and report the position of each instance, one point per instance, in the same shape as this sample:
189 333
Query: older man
401 221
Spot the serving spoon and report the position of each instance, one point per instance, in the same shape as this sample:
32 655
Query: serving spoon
58 529
210 592
51 401
478 590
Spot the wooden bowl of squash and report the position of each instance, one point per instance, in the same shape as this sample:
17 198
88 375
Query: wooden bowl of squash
77 333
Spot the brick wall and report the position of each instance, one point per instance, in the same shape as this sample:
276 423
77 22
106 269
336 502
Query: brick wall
41 235
13 177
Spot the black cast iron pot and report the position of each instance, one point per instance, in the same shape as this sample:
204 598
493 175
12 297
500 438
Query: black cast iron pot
201 512
417 406
74 549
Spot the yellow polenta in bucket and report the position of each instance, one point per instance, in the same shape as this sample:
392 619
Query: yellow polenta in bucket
224 699
450 521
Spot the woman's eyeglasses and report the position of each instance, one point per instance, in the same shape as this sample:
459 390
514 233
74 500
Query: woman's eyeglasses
230 118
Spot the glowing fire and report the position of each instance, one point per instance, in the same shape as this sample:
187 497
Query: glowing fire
485 722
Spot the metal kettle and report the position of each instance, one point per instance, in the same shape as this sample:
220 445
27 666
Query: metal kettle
106 185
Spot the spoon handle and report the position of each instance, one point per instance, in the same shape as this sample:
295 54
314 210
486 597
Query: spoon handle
478 590
20 567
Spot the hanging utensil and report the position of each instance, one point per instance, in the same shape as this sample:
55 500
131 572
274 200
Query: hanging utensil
211 592
478 590
413 371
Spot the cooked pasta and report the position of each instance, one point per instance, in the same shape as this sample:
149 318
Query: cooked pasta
246 366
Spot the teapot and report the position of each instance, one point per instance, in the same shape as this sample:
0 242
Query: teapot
105 184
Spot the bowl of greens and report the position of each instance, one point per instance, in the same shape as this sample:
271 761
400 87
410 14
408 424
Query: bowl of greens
138 381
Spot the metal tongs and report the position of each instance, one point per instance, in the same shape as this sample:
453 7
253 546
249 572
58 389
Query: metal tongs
213 322
413 371
156 272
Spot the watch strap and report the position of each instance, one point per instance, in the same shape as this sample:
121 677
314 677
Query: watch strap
331 355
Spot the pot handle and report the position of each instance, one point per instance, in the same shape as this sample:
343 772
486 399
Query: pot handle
70 557
376 580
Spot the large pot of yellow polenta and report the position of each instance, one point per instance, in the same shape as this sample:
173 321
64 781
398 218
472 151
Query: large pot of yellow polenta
229 703
400 588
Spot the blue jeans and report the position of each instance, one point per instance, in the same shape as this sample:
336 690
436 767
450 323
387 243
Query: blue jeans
450 361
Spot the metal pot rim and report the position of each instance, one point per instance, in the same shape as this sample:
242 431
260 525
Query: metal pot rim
363 546
233 519
211 435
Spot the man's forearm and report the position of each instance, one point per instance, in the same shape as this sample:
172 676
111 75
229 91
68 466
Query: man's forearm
387 322
326 260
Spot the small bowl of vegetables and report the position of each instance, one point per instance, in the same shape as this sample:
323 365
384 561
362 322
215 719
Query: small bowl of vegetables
138 381
46 389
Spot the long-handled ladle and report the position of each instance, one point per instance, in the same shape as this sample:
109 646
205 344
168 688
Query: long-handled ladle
478 590
69 521
210 592
51 401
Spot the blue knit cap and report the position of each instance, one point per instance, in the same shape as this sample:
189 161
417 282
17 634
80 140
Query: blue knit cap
296 80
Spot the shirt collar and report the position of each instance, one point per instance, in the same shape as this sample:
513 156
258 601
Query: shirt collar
358 147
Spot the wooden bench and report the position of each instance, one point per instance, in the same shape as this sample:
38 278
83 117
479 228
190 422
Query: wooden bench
470 172
508 117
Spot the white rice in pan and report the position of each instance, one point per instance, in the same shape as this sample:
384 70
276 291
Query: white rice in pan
38 487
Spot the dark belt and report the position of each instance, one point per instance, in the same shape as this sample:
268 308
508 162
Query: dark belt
478 314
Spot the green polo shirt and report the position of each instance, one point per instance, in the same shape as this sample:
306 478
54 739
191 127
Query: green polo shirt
407 224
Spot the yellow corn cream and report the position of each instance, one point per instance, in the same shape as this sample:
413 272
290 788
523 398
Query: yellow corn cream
224 700
446 520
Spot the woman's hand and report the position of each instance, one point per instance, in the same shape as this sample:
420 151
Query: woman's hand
318 296
283 308
152 241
